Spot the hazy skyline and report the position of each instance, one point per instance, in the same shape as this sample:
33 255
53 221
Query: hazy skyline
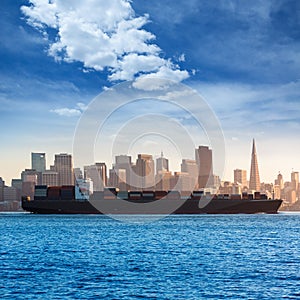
243 58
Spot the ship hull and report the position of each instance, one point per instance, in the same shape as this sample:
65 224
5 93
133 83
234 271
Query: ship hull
190 206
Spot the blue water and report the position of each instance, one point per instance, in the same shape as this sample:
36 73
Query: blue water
179 257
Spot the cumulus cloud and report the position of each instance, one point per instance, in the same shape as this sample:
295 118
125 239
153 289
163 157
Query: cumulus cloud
70 112
103 35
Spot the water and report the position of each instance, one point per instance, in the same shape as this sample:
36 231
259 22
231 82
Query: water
179 257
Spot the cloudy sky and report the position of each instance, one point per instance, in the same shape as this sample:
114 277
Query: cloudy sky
241 56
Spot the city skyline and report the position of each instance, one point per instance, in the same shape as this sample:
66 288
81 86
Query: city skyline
146 173
63 162
233 54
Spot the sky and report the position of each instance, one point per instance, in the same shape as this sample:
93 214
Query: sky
242 57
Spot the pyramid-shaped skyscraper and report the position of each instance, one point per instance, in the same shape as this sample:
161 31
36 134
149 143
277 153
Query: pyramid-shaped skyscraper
254 183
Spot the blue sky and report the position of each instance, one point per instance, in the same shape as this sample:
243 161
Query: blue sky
242 57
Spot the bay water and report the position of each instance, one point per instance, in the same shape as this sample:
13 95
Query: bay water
176 257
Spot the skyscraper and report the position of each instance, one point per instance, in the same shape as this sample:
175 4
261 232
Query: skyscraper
50 178
162 164
254 183
63 165
204 161
38 162
144 171
190 166
123 162
240 177
2 185
98 174
295 180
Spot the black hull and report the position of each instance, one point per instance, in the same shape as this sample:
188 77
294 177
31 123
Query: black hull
190 206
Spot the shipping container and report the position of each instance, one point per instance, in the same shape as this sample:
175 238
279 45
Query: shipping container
123 195
244 195
54 193
135 195
160 194
236 197
257 195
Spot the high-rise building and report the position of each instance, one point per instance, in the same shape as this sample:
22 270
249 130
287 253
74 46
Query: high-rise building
63 165
2 185
279 181
205 167
190 166
295 180
30 175
50 178
182 182
144 172
254 183
163 181
97 173
240 177
18 184
123 162
117 178
162 164
38 162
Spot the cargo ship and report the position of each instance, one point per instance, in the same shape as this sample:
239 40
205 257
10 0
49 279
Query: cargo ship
71 200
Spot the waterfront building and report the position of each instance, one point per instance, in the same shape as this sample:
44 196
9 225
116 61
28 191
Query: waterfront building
50 178
97 173
2 185
254 183
162 164
295 181
190 166
163 181
63 165
30 175
279 181
205 167
182 182
240 177
117 178
38 163
144 170
123 162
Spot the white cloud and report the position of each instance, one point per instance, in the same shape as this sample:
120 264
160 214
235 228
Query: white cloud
181 57
170 73
70 112
102 35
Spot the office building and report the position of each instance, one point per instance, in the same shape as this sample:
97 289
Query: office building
162 164
2 185
279 181
254 183
123 162
38 162
63 165
97 173
190 166
295 181
50 178
240 177
144 170
205 167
